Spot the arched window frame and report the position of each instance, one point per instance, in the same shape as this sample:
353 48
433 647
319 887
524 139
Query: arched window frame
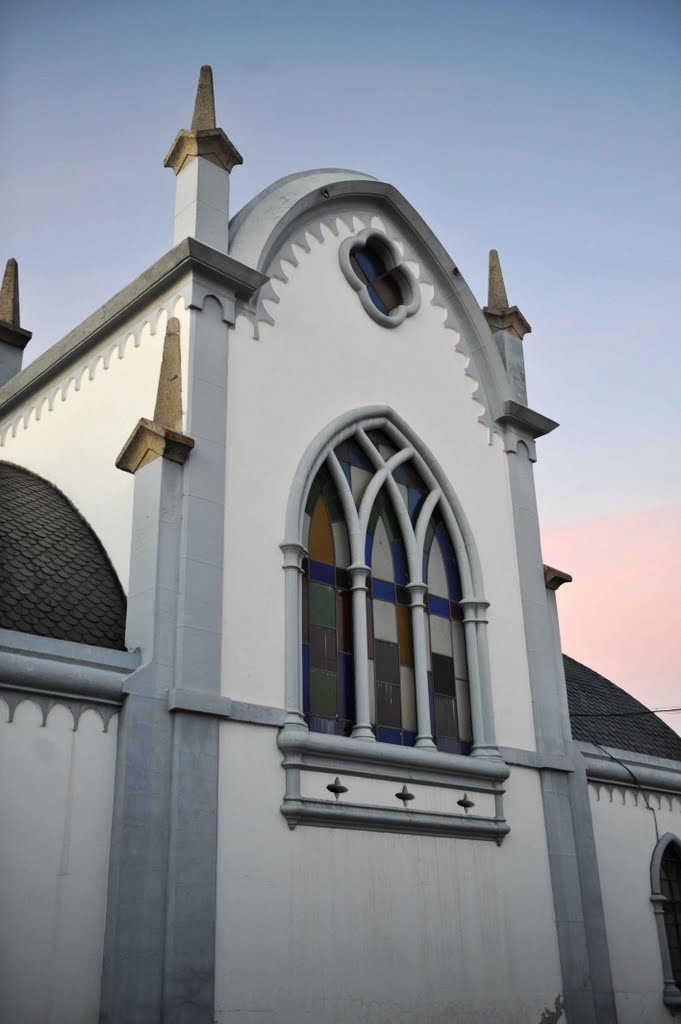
671 990
484 769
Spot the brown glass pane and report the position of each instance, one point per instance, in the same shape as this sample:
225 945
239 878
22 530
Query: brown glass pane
323 648
389 292
404 635
388 705
344 620
321 535
386 662
443 675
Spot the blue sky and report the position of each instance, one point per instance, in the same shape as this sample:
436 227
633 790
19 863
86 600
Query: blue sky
549 131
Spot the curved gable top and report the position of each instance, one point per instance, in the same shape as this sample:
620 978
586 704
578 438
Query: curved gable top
56 579
262 233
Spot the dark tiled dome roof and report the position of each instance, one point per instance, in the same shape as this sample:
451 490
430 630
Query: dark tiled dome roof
56 579
601 712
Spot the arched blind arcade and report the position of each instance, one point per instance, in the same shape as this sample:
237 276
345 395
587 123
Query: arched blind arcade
384 655
670 884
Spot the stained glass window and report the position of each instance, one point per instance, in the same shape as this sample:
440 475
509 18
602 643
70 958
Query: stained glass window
408 583
370 265
328 677
670 878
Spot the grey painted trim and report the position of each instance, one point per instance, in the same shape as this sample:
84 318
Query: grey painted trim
385 760
407 279
671 994
377 819
41 664
519 758
650 772
189 255
525 420
224 707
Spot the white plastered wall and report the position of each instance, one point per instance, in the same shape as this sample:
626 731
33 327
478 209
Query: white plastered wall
54 856
324 356
626 836
323 926
95 406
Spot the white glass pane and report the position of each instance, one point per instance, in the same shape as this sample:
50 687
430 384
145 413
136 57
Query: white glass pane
463 707
385 621
460 662
359 480
441 635
372 693
381 555
437 577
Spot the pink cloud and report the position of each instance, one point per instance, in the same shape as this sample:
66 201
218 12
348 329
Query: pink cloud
622 614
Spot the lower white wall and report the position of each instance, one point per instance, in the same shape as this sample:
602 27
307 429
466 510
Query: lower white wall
326 926
56 792
626 836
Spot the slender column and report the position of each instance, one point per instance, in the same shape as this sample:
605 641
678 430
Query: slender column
358 582
293 570
476 638
424 735
671 993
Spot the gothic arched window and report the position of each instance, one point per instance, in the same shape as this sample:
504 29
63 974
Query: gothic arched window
383 647
665 876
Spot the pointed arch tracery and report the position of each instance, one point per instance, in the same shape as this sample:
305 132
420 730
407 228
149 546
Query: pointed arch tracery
384 546
665 880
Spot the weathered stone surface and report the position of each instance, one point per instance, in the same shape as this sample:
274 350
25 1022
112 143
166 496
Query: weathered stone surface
204 104
168 411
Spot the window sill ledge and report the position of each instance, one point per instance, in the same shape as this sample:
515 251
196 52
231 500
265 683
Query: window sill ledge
437 780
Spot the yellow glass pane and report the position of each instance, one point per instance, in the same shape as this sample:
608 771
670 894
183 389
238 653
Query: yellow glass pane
321 535
404 634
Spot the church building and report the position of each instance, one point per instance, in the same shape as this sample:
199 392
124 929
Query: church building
286 733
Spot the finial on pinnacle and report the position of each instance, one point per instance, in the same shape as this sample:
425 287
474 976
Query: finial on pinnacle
499 315
204 104
11 332
161 437
203 139
9 295
496 290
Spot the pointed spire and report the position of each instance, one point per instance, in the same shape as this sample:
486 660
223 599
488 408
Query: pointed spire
13 338
496 290
168 411
499 315
162 437
204 138
9 295
204 105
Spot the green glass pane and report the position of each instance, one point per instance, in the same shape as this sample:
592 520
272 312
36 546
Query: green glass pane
322 604
390 520
323 693
332 504
312 497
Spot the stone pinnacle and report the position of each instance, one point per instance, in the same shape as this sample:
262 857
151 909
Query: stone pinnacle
496 290
204 105
9 295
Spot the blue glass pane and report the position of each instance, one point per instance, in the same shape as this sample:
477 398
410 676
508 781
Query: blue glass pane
370 262
438 606
385 735
369 543
424 567
451 746
383 590
306 677
416 500
322 572
357 456
377 300
327 725
408 738
399 562
453 581
346 687
345 466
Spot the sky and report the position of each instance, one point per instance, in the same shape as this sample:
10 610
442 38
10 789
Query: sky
547 130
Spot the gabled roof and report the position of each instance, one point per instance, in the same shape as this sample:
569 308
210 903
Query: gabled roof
602 713
56 579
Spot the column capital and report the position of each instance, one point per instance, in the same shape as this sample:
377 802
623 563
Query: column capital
294 553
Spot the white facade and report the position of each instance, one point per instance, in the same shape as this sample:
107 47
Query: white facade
189 864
